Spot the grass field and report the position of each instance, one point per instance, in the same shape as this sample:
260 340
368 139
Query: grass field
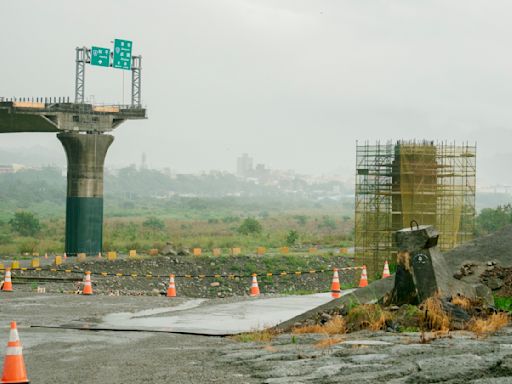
204 223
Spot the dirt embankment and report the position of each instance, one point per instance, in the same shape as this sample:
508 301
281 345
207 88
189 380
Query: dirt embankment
496 247
202 276
487 259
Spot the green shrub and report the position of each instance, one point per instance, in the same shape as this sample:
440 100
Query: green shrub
25 223
250 226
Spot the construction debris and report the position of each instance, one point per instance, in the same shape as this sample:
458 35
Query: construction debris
422 271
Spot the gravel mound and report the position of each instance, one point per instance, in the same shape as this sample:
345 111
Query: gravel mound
496 247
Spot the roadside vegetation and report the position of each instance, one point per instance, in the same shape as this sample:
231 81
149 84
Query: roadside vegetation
143 210
504 303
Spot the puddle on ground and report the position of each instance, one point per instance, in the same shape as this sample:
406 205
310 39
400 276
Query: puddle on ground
114 318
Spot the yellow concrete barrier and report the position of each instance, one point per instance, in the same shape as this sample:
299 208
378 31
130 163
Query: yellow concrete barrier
235 251
58 260
261 250
2 266
81 256
344 250
153 252
284 250
111 255
35 263
216 251
15 264
132 253
312 250
197 251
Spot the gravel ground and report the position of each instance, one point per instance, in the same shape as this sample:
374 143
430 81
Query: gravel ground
72 356
495 247
214 287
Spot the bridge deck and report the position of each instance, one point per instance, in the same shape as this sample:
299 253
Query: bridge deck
30 116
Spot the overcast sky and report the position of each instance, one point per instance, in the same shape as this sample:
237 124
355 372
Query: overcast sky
294 83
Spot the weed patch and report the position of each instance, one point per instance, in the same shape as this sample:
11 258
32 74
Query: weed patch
435 317
493 323
335 326
264 336
503 303
367 316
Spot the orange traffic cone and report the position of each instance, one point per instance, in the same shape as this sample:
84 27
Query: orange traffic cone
14 365
65 256
99 255
385 272
171 290
255 290
87 284
7 287
46 255
335 286
364 278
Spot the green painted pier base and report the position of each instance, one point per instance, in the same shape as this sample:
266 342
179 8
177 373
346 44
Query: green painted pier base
84 205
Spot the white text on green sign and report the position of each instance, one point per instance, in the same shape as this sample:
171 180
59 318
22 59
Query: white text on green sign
122 54
100 56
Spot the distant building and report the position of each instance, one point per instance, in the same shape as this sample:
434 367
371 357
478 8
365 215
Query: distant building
244 165
143 161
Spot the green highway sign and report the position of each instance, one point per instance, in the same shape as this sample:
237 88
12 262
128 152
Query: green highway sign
100 56
122 54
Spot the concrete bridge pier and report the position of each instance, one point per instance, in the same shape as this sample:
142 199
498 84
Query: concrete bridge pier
84 204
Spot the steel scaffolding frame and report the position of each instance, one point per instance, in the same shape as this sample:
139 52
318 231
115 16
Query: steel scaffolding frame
432 183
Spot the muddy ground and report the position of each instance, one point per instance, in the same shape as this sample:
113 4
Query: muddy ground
56 355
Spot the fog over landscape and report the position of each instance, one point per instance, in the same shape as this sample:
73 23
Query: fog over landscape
293 83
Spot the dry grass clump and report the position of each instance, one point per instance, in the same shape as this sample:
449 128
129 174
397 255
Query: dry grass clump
462 302
264 336
335 326
316 328
493 323
368 316
436 317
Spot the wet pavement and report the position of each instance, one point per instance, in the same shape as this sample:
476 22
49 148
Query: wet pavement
210 317
57 355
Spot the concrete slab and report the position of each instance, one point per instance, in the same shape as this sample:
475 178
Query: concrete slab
198 316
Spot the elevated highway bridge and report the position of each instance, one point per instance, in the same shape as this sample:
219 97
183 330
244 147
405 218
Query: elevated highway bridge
83 131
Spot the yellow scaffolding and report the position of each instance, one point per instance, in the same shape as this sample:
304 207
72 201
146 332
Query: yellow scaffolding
431 183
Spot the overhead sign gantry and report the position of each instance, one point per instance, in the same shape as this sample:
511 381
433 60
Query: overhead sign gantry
119 58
